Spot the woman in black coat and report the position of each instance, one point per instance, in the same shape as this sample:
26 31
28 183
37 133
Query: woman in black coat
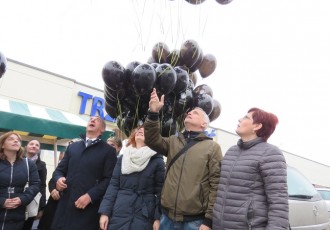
32 152
132 200
14 197
46 220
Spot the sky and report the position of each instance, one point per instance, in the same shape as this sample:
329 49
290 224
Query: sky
271 54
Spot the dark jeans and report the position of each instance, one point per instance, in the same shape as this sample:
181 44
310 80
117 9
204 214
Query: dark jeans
168 224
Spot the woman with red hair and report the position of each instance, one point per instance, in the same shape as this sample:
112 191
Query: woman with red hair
252 192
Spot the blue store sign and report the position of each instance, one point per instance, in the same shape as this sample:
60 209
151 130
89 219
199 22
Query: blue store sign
97 106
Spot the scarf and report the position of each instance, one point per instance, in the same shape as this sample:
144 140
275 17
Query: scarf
135 160
34 158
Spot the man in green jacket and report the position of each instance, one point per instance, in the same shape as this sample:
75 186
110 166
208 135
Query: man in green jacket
191 183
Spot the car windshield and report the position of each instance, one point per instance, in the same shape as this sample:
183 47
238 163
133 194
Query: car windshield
299 186
325 194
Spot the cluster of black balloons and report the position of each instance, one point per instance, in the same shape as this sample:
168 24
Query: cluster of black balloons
3 64
127 89
196 2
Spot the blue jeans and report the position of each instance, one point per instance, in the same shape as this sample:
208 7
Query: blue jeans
168 224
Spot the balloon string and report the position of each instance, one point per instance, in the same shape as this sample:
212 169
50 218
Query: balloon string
161 120
136 111
174 102
119 113
118 105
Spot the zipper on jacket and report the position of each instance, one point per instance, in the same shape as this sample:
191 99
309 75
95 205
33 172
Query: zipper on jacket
177 191
11 181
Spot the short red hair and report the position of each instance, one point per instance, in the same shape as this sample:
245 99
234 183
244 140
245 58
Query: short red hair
268 121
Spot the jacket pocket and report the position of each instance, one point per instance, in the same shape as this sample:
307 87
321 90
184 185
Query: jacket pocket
203 195
249 213
149 207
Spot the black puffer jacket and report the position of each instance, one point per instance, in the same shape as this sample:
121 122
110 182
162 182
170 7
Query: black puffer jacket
15 177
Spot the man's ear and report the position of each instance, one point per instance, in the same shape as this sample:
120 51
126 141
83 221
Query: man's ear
204 125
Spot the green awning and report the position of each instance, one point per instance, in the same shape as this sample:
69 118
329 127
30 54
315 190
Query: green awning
45 123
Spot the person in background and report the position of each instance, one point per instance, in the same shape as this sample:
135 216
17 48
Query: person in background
252 192
46 220
14 195
192 179
132 200
32 150
83 176
116 143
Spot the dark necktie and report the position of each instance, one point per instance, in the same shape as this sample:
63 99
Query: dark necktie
89 142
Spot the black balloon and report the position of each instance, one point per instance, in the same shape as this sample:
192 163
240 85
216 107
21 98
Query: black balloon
181 81
160 51
198 62
201 89
110 99
208 65
115 94
191 84
205 102
113 74
128 123
224 2
189 53
195 2
3 64
143 79
168 108
155 65
111 110
216 111
169 127
166 78
129 70
174 58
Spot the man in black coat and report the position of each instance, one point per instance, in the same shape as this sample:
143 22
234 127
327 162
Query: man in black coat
83 175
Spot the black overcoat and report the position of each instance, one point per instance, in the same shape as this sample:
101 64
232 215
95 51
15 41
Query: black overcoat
87 170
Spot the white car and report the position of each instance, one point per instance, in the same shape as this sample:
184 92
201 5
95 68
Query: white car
325 193
307 209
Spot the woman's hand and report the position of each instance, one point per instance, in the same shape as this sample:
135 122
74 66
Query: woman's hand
55 194
156 225
12 203
104 220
